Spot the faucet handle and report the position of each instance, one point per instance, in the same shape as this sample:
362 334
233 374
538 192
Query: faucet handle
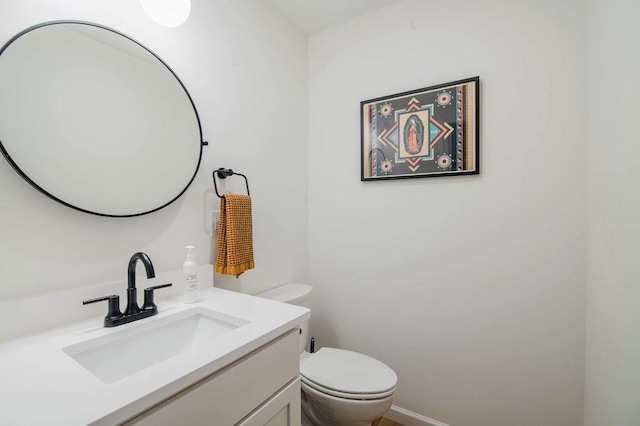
149 305
114 308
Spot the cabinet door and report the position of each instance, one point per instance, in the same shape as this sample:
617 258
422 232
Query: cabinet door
283 409
231 394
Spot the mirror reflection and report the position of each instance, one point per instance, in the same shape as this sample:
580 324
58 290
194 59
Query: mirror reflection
95 120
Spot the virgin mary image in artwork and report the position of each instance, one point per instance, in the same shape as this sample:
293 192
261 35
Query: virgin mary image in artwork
413 135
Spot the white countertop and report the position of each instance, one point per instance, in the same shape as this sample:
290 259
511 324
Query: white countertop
41 385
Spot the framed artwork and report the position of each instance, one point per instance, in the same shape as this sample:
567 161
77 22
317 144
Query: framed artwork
422 133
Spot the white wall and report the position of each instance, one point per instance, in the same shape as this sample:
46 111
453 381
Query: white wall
471 288
246 70
483 320
612 386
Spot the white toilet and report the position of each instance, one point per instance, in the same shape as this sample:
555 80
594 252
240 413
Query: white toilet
339 387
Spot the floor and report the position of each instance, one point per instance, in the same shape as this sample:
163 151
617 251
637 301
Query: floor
385 422
380 422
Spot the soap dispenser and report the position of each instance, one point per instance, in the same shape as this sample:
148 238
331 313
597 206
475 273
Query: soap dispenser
190 272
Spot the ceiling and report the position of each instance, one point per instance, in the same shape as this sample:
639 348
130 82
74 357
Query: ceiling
312 16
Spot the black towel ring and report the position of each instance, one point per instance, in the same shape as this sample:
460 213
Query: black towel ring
223 173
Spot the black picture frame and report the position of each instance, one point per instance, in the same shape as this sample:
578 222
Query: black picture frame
428 132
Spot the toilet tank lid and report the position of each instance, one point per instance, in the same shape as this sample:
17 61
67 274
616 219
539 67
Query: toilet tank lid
292 293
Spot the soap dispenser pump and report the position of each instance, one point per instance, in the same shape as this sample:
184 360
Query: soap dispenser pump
190 272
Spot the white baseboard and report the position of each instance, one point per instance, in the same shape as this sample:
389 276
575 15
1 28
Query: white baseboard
409 418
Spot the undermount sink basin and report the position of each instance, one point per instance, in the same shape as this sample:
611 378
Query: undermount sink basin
123 353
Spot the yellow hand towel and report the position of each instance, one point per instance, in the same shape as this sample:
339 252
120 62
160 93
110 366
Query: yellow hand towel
235 235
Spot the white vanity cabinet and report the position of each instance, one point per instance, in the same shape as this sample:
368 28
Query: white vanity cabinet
260 389
229 359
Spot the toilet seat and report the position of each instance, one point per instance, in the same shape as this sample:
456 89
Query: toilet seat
349 375
344 395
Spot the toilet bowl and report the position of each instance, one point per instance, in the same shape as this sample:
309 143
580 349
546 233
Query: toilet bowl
339 387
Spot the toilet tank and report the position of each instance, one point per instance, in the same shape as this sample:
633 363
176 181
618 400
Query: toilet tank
294 294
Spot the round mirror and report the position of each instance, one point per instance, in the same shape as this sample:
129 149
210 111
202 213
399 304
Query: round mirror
95 120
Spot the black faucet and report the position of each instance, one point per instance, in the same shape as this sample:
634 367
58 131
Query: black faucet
132 292
132 311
